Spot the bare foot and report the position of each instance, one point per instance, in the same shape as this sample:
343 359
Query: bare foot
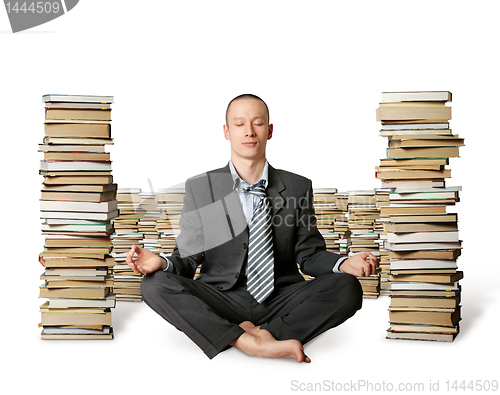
260 343
247 326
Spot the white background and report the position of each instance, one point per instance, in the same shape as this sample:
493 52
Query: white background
172 67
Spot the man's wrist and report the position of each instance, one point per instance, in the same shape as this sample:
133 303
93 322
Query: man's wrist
165 263
341 260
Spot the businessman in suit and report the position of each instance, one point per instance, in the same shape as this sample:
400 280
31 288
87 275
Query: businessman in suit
248 225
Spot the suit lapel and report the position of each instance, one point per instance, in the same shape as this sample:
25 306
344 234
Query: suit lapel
274 189
222 182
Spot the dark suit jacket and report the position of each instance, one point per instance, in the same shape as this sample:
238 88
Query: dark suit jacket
214 232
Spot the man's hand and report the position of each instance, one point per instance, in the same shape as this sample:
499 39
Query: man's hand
146 261
358 266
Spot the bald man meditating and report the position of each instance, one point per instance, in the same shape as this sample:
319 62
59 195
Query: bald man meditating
248 225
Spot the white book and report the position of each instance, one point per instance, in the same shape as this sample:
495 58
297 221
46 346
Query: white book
423 195
401 285
61 303
420 190
120 255
120 232
80 215
423 264
77 228
102 207
65 237
58 221
419 237
77 98
74 165
61 274
125 277
421 246
443 127
129 235
121 267
325 190
70 148
55 330
394 97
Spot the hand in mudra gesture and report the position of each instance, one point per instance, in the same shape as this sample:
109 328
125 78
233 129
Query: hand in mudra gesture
362 264
146 261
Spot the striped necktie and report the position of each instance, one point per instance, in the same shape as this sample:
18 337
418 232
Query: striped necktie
260 265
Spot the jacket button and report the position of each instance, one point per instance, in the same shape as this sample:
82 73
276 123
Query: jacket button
244 246
237 275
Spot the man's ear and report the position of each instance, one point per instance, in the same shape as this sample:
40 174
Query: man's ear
270 132
226 132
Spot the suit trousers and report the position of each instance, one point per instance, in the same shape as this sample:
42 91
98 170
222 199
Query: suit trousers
210 317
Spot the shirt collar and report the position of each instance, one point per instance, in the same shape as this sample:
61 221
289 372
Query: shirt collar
239 181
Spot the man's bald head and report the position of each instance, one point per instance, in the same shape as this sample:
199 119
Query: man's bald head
246 96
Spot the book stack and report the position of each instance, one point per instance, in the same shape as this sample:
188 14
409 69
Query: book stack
327 212
126 283
422 236
363 213
170 203
382 200
341 223
77 205
147 224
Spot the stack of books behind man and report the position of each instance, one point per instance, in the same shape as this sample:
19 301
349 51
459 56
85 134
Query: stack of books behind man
148 224
363 213
327 212
341 223
126 283
77 205
382 200
170 203
422 237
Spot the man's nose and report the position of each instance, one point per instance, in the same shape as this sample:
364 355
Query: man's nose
249 130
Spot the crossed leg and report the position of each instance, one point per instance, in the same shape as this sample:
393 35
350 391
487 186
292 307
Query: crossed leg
278 328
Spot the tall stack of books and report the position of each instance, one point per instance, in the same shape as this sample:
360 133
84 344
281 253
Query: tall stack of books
77 205
422 237
126 283
363 213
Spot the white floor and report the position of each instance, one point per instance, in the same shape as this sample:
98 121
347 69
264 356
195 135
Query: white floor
148 354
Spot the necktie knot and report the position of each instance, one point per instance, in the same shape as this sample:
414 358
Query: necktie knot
257 189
